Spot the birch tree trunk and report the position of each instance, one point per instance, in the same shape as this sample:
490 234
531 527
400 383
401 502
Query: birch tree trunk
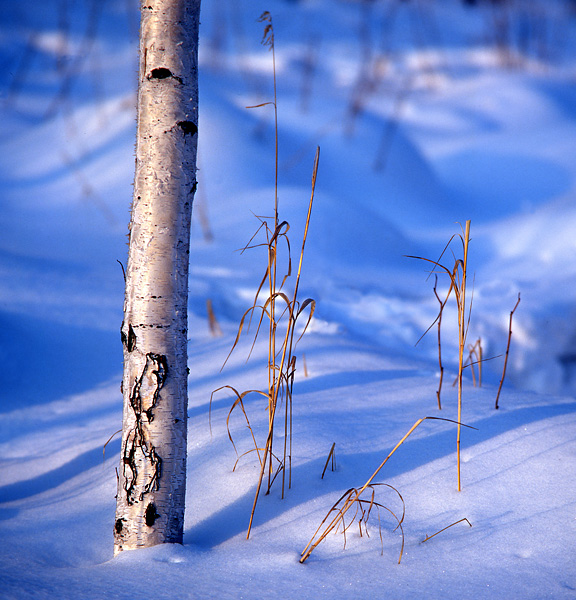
152 474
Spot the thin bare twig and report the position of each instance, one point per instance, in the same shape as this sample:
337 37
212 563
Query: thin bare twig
331 455
496 406
442 304
429 537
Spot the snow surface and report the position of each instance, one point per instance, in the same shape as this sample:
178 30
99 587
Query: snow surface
454 127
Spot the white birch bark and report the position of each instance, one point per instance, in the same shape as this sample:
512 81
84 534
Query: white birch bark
152 473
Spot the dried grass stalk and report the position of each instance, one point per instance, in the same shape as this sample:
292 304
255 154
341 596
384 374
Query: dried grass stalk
279 313
458 277
213 324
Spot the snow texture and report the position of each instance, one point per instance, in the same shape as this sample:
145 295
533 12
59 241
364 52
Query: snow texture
427 114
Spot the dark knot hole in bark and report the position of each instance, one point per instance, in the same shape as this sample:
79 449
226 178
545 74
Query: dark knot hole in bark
118 526
131 342
163 73
128 340
151 514
160 73
188 127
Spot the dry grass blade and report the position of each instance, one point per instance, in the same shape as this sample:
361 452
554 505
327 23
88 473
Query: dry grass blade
480 356
257 450
107 442
429 537
475 358
496 406
268 35
250 311
442 303
249 245
238 402
213 324
307 303
261 105
460 292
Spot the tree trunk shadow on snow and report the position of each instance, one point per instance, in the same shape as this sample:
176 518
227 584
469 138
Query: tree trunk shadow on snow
52 479
45 361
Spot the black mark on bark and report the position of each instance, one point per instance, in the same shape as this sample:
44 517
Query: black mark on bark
151 514
154 480
160 73
163 73
118 526
138 449
129 341
147 388
188 127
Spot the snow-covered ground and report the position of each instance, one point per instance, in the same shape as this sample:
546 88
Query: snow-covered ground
427 114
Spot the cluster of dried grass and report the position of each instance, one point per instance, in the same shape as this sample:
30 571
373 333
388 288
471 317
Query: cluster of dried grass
281 311
360 508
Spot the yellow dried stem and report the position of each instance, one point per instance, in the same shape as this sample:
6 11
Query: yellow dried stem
281 364
462 329
457 277
107 442
238 402
213 324
286 356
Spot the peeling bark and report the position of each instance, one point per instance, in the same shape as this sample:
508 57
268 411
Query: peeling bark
152 474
